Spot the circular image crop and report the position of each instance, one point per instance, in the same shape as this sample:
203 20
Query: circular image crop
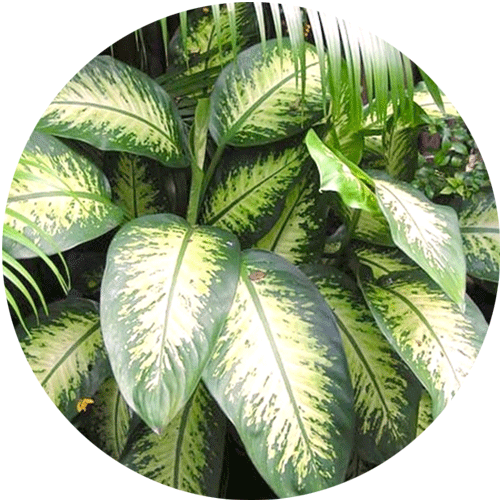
251 251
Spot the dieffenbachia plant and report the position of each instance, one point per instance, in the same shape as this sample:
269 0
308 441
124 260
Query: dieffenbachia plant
238 314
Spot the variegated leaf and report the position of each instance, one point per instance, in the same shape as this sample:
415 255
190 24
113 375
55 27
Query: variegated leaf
424 413
481 237
189 455
429 331
257 99
116 107
386 394
279 373
166 291
299 234
58 199
339 175
135 184
109 420
199 50
66 352
383 261
250 189
400 142
426 232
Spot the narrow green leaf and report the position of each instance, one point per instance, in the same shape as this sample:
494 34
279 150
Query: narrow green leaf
383 261
116 107
188 456
250 187
338 174
256 100
8 260
198 144
166 291
279 373
478 221
299 234
386 394
66 352
108 423
426 232
61 193
429 331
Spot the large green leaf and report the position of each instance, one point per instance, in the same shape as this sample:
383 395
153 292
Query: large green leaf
434 337
279 373
386 394
58 199
66 352
426 232
299 234
116 107
166 291
478 222
257 99
250 189
189 455
424 413
109 420
339 175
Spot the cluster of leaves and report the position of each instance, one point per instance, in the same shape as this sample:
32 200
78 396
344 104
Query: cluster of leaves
449 161
324 347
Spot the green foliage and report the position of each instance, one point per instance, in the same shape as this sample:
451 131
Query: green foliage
275 278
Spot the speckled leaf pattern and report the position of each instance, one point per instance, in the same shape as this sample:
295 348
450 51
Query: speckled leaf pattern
386 394
250 189
135 183
424 413
279 373
58 199
429 331
116 107
108 424
189 454
166 292
257 99
427 233
299 233
481 237
383 261
337 175
66 352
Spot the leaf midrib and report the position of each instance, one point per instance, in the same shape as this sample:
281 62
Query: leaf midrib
236 201
171 293
67 353
118 111
231 132
422 318
262 316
